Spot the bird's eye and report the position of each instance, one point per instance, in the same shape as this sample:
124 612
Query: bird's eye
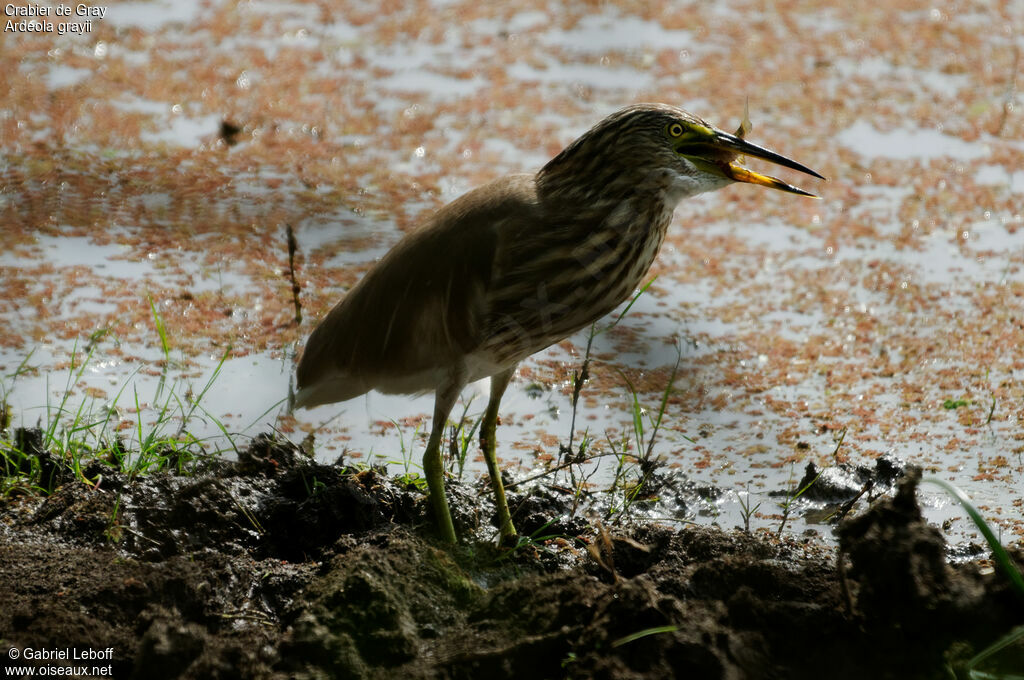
675 129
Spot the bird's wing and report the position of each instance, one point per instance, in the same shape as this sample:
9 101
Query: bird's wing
421 308
555 276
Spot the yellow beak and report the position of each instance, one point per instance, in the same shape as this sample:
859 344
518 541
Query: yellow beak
733 170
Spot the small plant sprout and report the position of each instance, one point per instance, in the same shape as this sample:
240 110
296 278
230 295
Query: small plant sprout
580 377
407 462
461 439
535 540
787 505
745 507
646 428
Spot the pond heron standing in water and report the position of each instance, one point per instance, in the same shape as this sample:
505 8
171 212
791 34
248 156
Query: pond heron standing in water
516 265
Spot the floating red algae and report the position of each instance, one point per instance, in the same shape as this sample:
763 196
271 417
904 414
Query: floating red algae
846 315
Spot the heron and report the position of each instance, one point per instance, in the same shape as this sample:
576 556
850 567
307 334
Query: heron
516 265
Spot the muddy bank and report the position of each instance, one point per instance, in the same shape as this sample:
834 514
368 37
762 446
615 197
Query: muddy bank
279 567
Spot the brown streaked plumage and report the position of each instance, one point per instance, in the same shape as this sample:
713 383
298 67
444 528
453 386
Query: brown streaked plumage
516 265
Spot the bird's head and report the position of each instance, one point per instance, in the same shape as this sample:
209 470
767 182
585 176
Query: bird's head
660 143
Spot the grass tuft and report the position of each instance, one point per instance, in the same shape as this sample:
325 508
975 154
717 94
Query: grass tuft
83 442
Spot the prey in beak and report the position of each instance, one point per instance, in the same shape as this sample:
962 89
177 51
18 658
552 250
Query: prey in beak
735 147
723 153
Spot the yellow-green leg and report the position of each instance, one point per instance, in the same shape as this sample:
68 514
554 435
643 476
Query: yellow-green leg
432 465
487 441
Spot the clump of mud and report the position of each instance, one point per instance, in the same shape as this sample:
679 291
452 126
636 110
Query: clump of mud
275 566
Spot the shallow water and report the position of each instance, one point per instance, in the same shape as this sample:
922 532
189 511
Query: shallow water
869 310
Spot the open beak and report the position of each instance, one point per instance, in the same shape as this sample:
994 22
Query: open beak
740 147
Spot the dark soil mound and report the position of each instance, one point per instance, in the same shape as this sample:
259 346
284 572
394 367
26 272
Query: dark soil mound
278 567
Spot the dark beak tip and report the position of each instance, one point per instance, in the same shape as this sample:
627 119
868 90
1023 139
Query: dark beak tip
800 192
800 167
748 148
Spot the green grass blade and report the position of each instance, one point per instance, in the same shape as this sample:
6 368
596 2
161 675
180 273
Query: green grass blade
1000 554
206 388
656 422
1001 644
638 419
625 311
633 637
160 329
